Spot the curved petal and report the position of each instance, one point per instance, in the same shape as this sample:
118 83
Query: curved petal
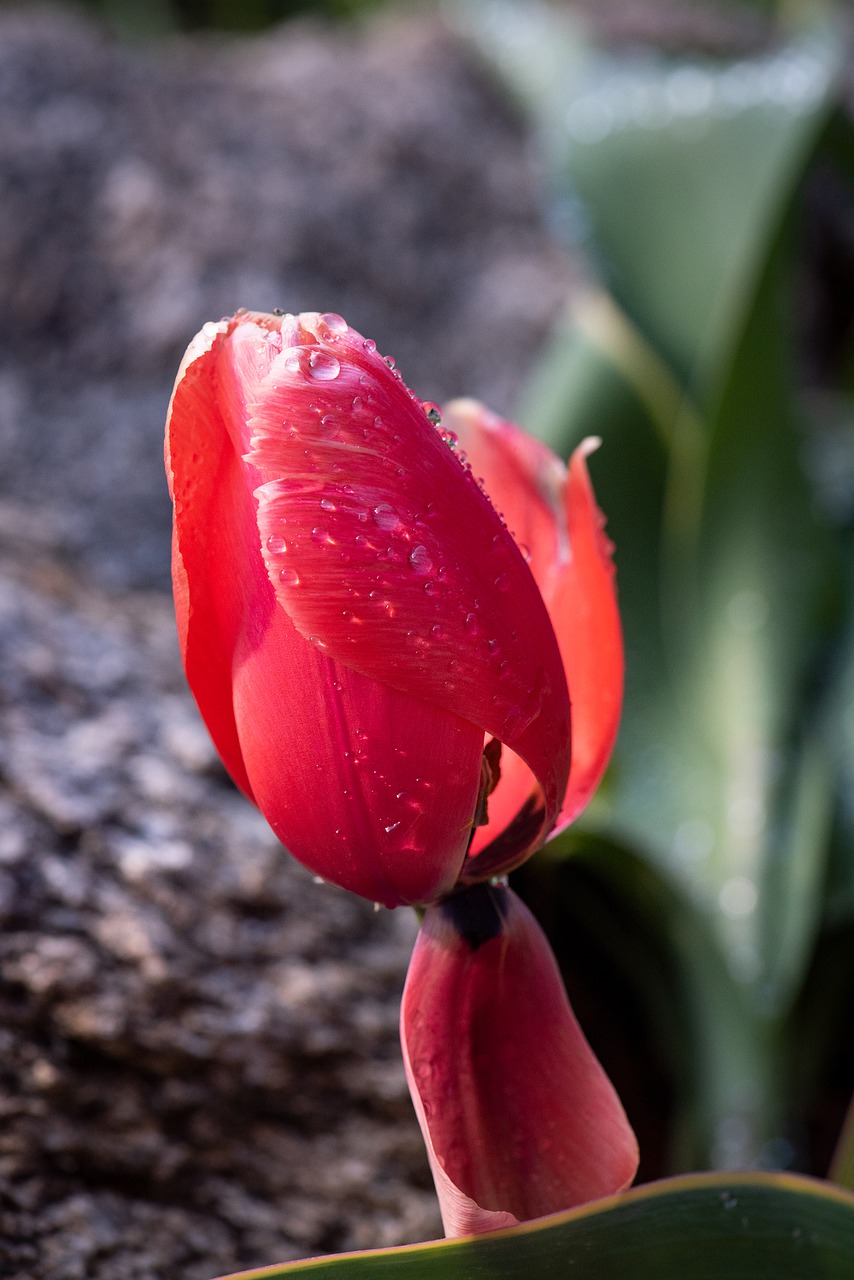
553 515
586 619
368 786
518 1116
383 550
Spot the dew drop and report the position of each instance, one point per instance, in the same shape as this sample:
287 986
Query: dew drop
419 560
369 345
319 534
526 552
434 413
470 622
389 360
502 582
322 366
276 544
293 361
337 324
326 504
432 588
378 422
289 576
386 516
357 404
328 422
451 439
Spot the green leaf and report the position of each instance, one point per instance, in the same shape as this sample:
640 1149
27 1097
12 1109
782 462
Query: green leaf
649 983
708 1227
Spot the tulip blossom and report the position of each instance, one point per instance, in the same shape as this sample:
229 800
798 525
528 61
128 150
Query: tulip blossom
383 620
356 617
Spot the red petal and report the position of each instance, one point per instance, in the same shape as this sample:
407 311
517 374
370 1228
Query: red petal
204 480
381 547
554 518
368 786
518 1116
587 623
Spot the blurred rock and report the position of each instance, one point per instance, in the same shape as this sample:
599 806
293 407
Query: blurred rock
377 172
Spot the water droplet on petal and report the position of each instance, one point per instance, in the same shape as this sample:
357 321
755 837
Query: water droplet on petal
293 361
369 345
289 576
389 360
337 324
502 582
326 504
322 366
276 544
434 413
419 560
471 622
386 516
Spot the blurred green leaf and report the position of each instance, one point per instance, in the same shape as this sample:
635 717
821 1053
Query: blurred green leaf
769 1227
683 167
650 985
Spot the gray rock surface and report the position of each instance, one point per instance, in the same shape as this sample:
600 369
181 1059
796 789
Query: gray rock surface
374 172
200 1069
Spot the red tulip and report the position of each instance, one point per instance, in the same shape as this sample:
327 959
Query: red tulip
518 1117
385 675
354 615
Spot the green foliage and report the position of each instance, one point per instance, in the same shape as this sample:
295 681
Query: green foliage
159 17
765 1228
683 180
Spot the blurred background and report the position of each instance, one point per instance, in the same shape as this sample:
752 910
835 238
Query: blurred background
634 220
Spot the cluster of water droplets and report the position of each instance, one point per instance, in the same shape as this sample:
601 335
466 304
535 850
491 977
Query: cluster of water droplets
390 546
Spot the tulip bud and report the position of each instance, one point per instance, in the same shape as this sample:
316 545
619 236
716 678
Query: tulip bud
355 618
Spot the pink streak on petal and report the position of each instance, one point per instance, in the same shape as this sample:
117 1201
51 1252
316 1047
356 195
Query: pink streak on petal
553 515
380 544
518 1117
